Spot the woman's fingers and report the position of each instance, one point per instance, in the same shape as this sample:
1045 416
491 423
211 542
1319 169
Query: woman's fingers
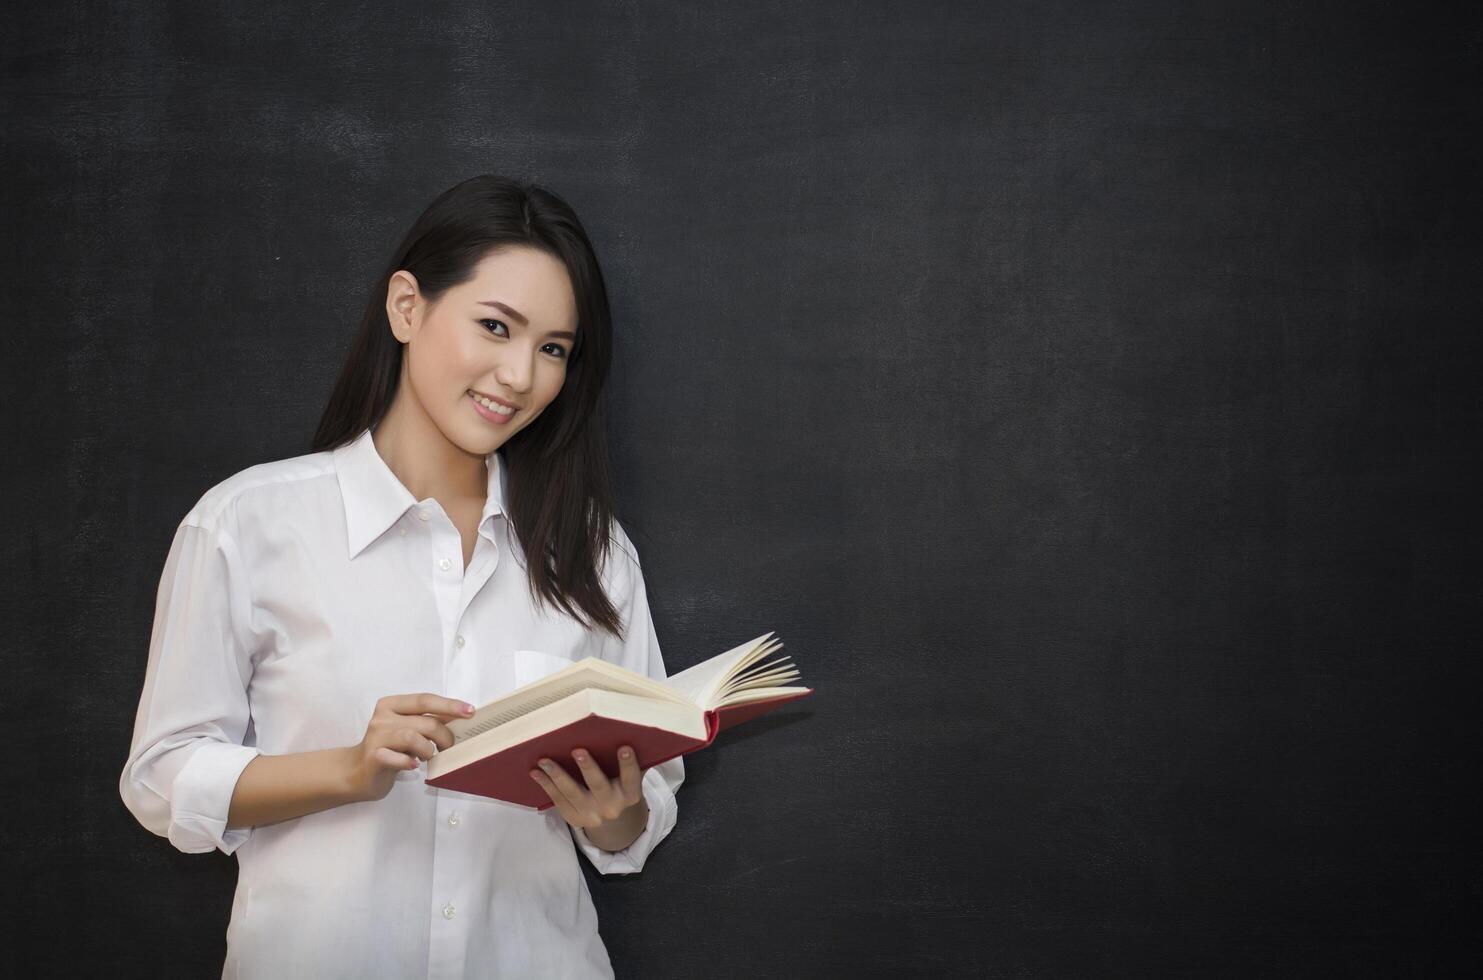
564 806
439 733
630 776
426 725
404 729
597 780
425 703
411 743
563 781
613 795
392 759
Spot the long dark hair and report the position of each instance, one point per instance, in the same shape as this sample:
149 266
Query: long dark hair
559 495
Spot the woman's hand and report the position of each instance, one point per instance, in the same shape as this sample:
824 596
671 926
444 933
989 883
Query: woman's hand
404 730
606 805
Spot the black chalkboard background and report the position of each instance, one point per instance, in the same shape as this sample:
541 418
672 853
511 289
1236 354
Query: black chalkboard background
1087 394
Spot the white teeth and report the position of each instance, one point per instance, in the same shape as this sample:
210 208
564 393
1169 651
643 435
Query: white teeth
495 407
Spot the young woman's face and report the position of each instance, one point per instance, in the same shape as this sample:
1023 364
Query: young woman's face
500 340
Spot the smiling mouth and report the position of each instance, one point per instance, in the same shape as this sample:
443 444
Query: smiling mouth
503 411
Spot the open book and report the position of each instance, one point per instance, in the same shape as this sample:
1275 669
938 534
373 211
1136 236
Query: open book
600 706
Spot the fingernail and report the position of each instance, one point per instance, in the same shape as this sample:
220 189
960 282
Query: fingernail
625 753
579 756
545 764
468 709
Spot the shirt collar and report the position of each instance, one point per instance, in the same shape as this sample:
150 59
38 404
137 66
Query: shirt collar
375 499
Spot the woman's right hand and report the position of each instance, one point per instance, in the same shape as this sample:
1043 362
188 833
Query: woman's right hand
404 730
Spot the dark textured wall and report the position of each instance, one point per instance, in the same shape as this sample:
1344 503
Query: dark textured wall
1085 393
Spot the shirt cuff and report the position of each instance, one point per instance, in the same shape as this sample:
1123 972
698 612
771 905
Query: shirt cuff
662 815
202 796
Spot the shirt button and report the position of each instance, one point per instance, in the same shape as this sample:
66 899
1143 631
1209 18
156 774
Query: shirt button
458 641
422 515
453 819
402 531
448 911
444 564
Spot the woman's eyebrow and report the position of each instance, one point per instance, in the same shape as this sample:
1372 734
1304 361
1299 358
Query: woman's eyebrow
515 314
519 318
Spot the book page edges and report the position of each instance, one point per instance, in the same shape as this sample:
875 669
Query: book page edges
732 677
681 719
541 692
706 683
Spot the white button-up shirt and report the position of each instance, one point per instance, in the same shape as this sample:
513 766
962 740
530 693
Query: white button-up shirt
295 594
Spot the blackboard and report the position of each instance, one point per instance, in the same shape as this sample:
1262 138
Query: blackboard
1085 393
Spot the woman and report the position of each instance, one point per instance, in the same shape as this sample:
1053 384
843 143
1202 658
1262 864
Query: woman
320 619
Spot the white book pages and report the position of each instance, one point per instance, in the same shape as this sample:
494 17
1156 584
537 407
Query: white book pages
705 683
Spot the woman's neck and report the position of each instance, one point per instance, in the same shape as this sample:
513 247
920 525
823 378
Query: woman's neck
424 460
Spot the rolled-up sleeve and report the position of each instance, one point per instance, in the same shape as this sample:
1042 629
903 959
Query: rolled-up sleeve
639 652
192 721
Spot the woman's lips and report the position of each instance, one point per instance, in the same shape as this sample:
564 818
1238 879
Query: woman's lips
488 414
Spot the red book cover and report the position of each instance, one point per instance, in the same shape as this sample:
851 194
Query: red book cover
505 775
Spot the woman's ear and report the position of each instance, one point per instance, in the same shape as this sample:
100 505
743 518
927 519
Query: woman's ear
401 304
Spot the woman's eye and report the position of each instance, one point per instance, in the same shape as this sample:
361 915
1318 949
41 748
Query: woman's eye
560 351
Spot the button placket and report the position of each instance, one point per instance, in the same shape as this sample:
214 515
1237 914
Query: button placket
459 679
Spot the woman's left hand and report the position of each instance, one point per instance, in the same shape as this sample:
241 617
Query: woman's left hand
603 800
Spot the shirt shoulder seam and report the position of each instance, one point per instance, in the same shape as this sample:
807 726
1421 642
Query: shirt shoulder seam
227 494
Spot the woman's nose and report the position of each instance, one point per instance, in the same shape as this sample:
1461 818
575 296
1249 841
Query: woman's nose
514 377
